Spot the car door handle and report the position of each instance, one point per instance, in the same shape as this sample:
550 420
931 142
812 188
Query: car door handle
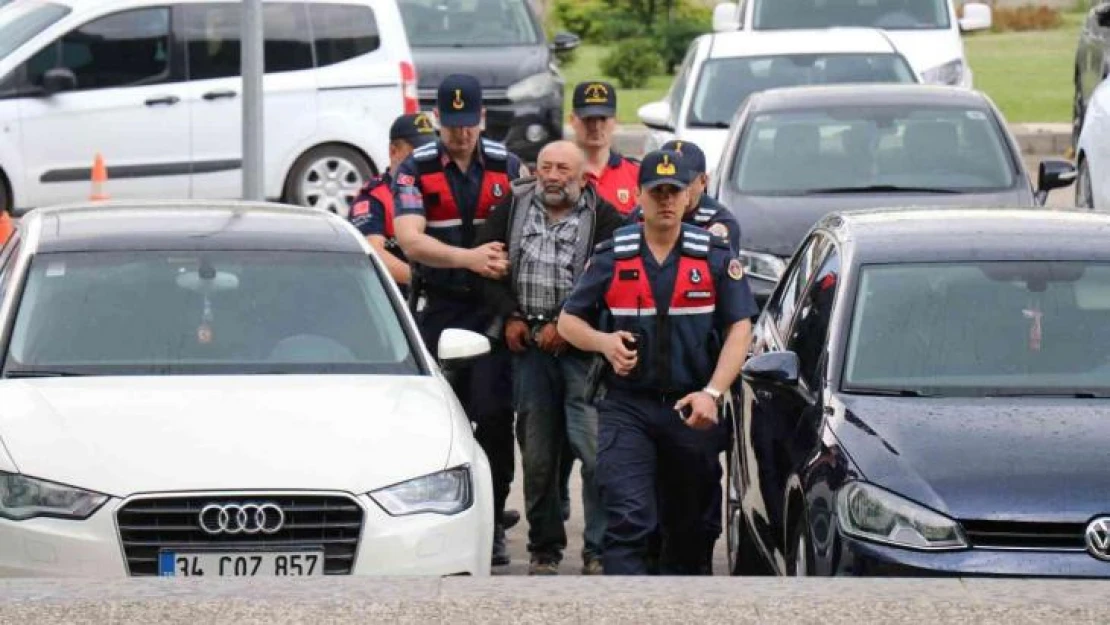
218 95
168 100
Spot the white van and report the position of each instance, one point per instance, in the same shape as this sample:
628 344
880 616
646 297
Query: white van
927 32
155 87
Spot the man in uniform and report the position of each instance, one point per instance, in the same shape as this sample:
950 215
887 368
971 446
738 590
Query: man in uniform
443 192
703 211
372 210
594 119
677 327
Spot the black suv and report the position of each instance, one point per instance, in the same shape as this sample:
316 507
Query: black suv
502 43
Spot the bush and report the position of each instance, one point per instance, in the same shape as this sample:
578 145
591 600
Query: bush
1025 18
632 63
674 39
581 17
619 26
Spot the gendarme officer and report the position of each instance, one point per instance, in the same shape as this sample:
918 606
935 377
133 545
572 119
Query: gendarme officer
675 308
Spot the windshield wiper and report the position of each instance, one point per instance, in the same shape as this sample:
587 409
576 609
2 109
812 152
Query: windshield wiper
723 125
1022 393
889 392
882 188
40 373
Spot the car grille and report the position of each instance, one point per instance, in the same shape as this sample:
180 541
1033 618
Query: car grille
1025 535
148 526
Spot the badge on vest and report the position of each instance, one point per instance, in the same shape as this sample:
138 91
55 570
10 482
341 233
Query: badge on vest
735 269
629 274
719 229
698 295
497 190
695 276
623 195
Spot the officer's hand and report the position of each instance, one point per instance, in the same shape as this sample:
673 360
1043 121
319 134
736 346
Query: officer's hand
516 335
622 358
551 341
703 413
489 260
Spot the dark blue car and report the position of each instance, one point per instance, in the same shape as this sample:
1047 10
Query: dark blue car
929 393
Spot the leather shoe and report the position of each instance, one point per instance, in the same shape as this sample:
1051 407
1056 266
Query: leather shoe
500 556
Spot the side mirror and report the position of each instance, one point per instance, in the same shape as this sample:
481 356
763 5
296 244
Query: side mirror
726 17
1102 15
976 16
458 346
776 368
58 80
656 116
565 42
1053 174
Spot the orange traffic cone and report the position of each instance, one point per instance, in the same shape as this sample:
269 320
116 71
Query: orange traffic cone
99 177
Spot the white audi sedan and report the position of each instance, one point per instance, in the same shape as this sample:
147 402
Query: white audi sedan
230 390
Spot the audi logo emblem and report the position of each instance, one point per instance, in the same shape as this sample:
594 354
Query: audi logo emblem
248 518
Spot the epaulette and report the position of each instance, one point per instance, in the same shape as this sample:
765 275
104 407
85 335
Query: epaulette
703 216
426 152
695 241
495 150
626 241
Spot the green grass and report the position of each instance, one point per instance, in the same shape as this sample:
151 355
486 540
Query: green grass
586 66
1028 75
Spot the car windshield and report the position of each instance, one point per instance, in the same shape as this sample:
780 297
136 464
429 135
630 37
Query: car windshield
885 14
468 23
724 84
981 328
873 148
23 20
160 313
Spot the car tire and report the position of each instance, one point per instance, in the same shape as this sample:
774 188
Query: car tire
799 551
743 557
1084 193
327 178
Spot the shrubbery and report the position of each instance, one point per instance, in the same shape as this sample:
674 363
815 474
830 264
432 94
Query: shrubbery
632 63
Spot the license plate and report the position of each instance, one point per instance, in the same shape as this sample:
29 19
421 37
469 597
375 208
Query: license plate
241 564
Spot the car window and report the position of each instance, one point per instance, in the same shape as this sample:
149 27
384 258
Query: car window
469 23
126 49
20 23
213 33
811 324
680 84
154 313
343 32
786 297
885 14
865 147
978 328
724 84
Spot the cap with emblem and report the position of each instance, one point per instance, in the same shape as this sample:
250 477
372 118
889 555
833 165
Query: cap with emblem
663 167
459 101
693 158
594 99
416 129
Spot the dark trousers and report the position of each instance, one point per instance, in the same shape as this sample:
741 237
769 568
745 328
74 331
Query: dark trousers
484 389
552 413
654 471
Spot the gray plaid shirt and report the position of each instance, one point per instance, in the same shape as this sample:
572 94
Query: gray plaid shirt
546 275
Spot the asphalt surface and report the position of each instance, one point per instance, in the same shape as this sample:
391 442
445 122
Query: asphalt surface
572 561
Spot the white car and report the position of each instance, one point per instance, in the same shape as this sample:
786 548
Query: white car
155 87
926 31
721 70
1092 185
225 390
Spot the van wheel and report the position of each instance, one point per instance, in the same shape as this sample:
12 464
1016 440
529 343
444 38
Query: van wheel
327 178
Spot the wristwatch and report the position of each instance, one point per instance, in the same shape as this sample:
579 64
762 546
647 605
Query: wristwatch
717 396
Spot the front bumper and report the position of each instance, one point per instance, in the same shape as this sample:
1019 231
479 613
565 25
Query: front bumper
423 544
861 558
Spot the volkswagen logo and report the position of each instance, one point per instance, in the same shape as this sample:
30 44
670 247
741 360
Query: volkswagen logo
1098 538
247 518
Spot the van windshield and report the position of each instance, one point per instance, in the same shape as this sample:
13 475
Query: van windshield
885 14
21 21
468 23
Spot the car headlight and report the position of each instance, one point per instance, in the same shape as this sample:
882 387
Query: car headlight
951 73
532 88
868 512
446 492
23 498
764 266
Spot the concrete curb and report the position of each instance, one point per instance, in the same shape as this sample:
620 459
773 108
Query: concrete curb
1033 139
556 601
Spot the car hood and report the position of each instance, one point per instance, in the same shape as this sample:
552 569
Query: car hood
494 67
144 434
927 49
984 458
776 225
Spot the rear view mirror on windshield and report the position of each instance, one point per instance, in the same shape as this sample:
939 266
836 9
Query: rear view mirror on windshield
1035 275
